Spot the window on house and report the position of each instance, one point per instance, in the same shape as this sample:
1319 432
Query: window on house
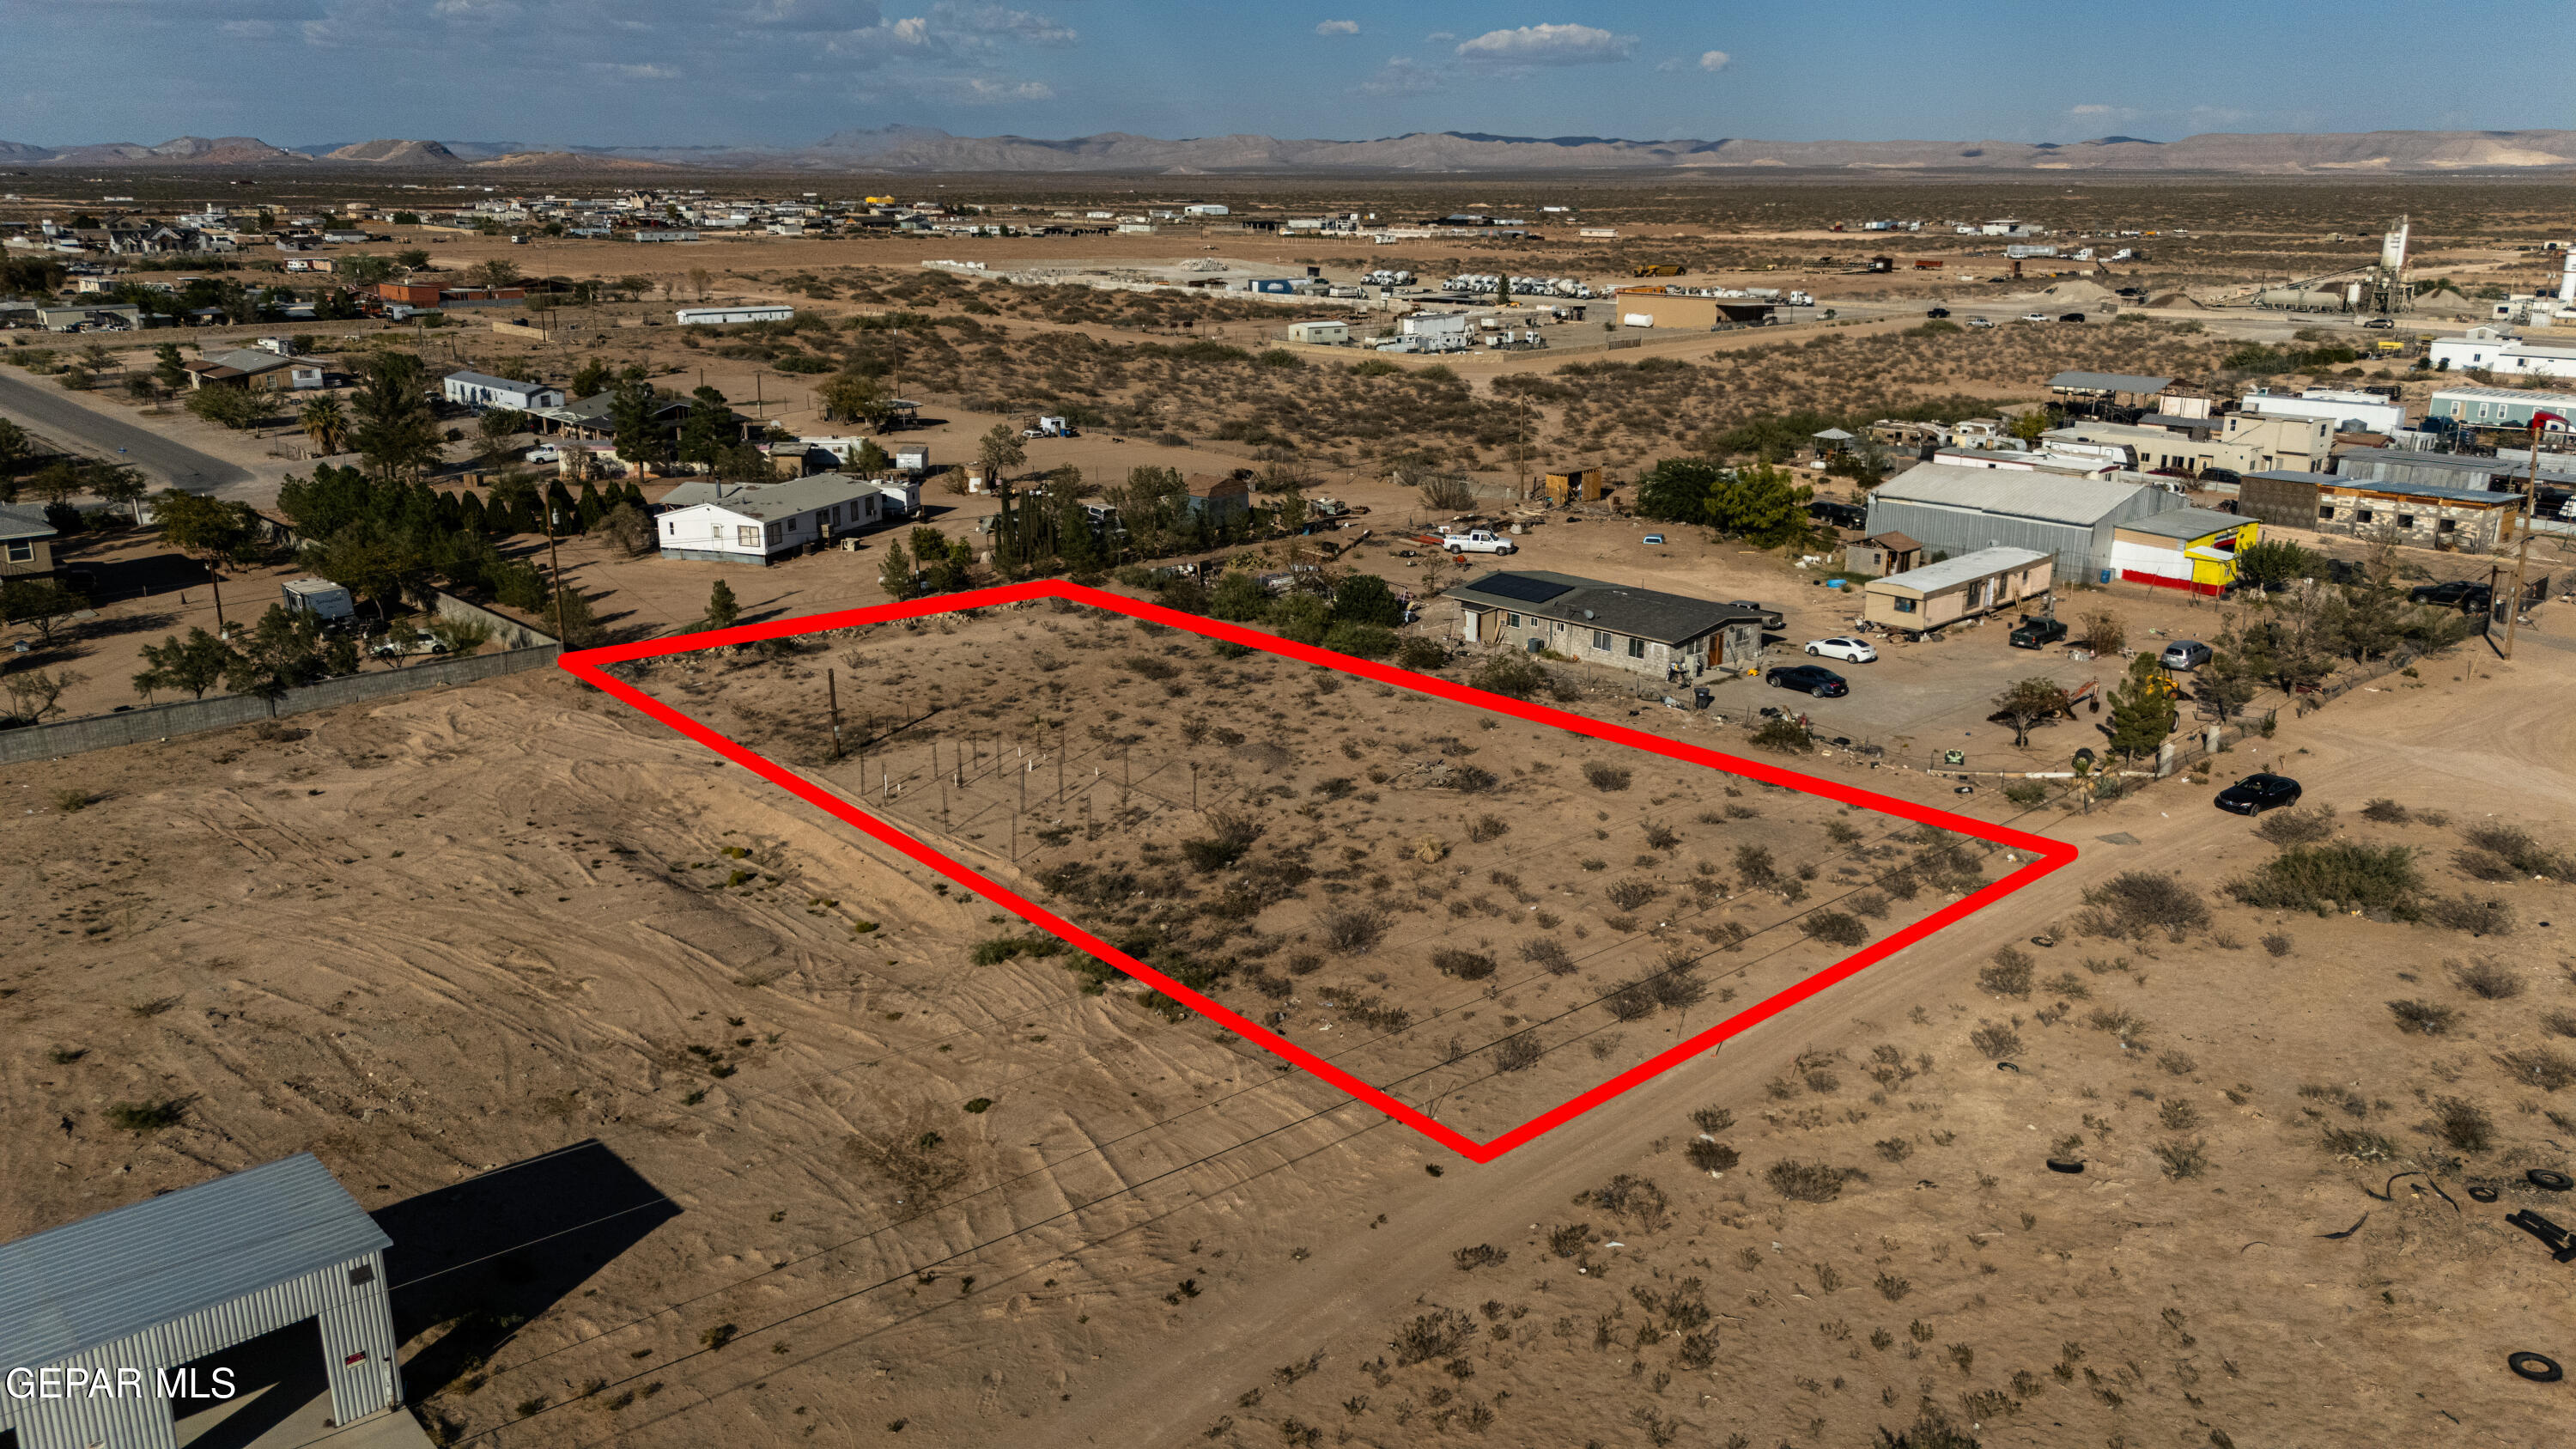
1905 606
1636 648
1601 640
21 551
1512 620
2361 515
747 536
777 531
2406 520
2325 513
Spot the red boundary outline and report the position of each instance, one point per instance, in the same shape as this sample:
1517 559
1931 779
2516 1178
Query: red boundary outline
588 665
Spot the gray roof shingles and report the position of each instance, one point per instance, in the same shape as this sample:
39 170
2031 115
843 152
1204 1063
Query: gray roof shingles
1619 608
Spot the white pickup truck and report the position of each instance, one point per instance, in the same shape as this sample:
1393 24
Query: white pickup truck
1481 540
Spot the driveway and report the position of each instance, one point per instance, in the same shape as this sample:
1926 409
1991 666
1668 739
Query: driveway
68 422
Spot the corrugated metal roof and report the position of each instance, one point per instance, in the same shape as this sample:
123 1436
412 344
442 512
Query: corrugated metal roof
769 500
1966 568
120 1272
2050 497
2109 382
1644 613
2186 523
504 384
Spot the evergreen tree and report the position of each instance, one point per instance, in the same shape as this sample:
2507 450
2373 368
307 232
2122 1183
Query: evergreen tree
1678 490
397 430
1075 543
707 430
1365 599
559 512
591 378
586 513
1239 598
1760 505
894 575
2142 709
722 609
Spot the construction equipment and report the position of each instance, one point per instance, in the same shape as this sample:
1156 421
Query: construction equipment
1659 269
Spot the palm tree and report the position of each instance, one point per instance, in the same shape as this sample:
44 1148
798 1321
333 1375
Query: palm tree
326 423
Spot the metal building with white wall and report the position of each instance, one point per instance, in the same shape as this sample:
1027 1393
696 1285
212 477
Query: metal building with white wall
98 1317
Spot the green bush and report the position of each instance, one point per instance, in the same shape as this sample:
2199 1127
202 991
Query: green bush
1421 654
1367 641
1515 675
2344 875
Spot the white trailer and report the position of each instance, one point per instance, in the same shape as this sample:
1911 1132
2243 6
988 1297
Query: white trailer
320 598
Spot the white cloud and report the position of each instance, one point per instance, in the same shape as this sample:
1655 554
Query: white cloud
1400 77
983 91
1440 37
635 72
249 29
2090 110
1002 21
1711 61
810 17
1338 27
1547 45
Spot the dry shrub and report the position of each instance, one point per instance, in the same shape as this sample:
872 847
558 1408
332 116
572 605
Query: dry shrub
2488 979
2009 975
1753 862
1717 1119
2121 1022
2468 913
1784 735
1632 894
1465 965
1440 1333
1677 986
2177 1115
2516 848
914 1160
1834 927
2463 1124
1515 675
2102 632
1488 827
1229 836
2424 1018
2385 811
1482 1255
2558 1023
1996 1040
1518 1053
2136 902
2344 875
1806 1181
2277 943
1629 1001
2359 1142
1710 1156
2183 1159
2544 1067
1633 1200
2297 827
1607 777
2483 865
1548 954
2178 1063
1353 928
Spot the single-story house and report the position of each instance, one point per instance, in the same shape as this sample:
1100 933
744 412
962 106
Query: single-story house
1955 510
2181 548
2348 410
26 542
1920 600
254 368
758 522
595 416
1655 307
2096 390
482 390
2424 514
2499 407
720 316
1320 334
2499 351
1221 499
2016 460
1882 554
1641 631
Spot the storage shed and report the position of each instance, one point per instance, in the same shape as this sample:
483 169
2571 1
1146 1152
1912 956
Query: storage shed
1320 334
2181 548
1959 510
99 1317
1921 600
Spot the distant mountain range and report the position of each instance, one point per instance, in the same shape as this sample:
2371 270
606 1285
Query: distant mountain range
921 149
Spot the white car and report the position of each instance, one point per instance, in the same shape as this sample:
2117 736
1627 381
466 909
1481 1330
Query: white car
1855 651
1979 322
2034 316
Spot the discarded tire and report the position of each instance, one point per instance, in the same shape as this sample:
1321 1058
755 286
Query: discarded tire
2548 1181
2483 1194
2006 1067
2539 1368
2065 1164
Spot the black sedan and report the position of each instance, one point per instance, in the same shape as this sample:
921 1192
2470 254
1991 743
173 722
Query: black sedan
2257 793
1822 683
2456 594
1938 312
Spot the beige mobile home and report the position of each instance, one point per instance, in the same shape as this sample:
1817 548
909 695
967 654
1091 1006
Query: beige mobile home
1928 598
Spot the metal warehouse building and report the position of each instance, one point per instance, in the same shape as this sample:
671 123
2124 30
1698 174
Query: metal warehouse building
96 1316
1955 510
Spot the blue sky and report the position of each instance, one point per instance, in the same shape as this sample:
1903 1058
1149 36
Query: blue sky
680 72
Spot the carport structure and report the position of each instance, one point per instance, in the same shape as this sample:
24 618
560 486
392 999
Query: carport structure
99 1318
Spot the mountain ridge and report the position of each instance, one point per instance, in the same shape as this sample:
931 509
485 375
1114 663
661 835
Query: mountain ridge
926 149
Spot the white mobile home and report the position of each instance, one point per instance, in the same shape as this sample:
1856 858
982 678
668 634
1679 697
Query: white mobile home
762 522
481 390
719 316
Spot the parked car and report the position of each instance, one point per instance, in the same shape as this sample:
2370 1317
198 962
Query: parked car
2167 473
1979 322
1851 651
2457 594
1482 540
1771 618
1938 312
2034 316
1840 515
1822 683
2221 475
2257 793
2184 654
2070 317
2036 633
2382 324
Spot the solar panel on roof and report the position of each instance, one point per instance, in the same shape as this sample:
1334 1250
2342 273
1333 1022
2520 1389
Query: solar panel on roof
1522 587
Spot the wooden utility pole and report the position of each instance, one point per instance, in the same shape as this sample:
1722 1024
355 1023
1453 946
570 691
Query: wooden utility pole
832 694
2522 551
554 564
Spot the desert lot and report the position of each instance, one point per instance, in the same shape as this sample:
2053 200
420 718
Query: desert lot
845 1181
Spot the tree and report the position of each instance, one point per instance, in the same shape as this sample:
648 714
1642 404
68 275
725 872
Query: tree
214 532
581 628
168 368
496 432
411 259
894 575
2274 564
236 408
326 422
40 604
2029 424
365 269
14 447
591 378
630 406
1365 599
2226 683
397 431
119 486
195 664
698 279
282 652
2028 702
706 430
1239 598
626 527
1760 505
34 694
870 460
722 609
999 450
2142 708
498 272
1302 617
1677 490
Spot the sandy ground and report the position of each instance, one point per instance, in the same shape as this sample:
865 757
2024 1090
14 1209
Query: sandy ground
441 935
